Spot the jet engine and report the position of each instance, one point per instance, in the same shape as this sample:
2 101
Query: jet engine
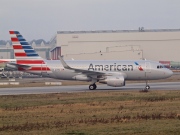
114 81
10 66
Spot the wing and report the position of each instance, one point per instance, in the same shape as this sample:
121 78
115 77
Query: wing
92 74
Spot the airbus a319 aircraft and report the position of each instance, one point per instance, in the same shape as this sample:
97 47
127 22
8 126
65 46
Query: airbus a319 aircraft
111 72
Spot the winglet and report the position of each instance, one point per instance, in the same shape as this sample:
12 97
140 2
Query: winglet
64 63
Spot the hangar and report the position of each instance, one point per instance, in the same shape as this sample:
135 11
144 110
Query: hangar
153 44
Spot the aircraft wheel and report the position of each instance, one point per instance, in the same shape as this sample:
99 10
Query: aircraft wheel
147 87
92 86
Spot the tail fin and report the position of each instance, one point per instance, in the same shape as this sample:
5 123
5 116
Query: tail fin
22 49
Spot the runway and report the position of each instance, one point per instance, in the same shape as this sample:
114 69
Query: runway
84 88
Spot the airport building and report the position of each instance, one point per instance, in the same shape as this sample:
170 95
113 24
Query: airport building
158 45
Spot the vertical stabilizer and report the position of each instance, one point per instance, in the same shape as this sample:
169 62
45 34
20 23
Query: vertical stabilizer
26 56
22 49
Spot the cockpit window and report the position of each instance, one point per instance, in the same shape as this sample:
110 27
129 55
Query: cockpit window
160 66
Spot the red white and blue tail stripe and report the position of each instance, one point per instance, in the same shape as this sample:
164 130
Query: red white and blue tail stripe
26 57
22 49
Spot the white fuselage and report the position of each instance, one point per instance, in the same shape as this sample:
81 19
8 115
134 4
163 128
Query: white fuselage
145 70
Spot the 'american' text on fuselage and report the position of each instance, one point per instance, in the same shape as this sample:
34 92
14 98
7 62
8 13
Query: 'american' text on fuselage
110 67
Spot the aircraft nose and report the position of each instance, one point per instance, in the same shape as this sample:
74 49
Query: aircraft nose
169 73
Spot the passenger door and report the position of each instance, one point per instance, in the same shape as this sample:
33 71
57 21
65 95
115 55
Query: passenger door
147 70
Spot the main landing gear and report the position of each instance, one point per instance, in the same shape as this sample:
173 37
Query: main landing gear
92 86
147 86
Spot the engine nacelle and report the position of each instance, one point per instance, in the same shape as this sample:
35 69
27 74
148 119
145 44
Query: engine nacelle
82 78
10 66
114 81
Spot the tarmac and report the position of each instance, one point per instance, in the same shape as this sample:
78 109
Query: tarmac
84 88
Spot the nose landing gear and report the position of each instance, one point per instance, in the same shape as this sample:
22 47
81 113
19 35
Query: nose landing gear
146 89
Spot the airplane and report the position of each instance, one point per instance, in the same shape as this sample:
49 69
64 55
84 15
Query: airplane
111 72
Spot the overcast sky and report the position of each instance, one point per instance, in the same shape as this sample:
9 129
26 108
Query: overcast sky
37 19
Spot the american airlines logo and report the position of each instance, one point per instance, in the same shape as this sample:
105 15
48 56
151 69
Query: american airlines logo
139 66
114 67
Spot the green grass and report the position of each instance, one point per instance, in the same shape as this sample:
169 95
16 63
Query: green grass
132 112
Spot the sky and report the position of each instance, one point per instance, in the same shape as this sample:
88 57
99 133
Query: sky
41 19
